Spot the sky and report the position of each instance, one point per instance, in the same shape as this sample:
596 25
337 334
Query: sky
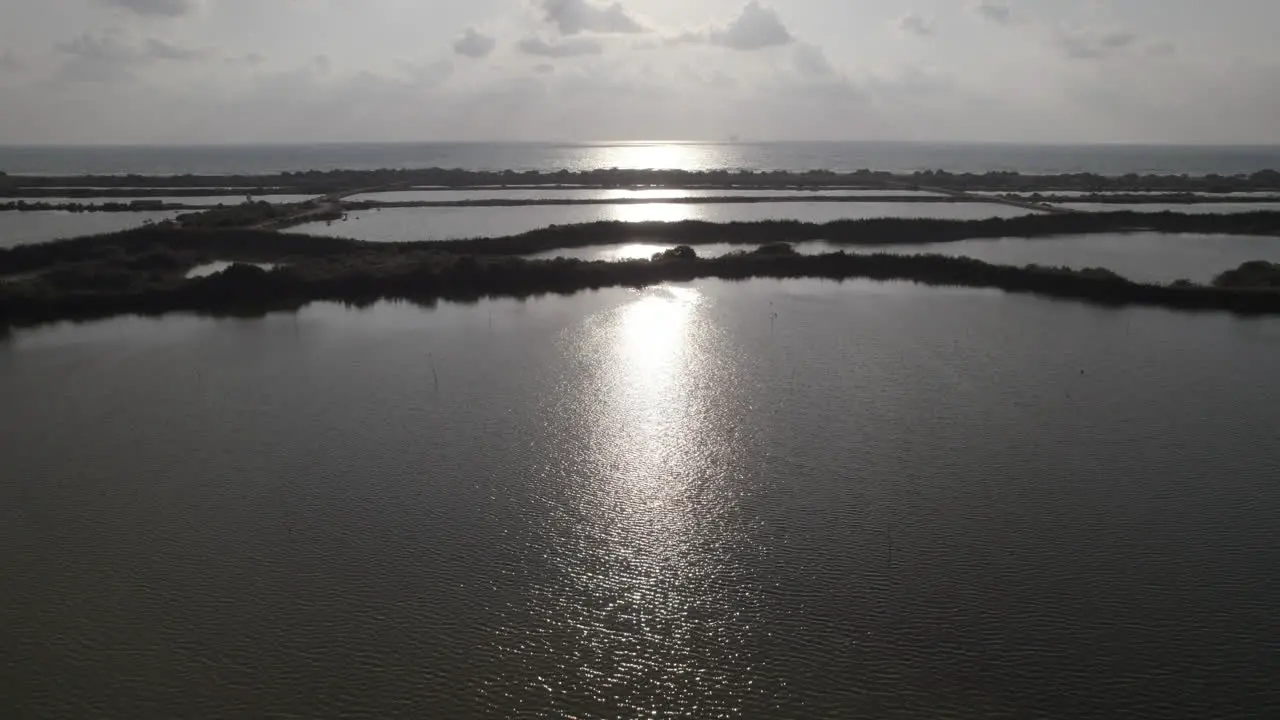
236 71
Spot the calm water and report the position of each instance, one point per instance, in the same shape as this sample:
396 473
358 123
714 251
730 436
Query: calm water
1190 209
210 200
843 157
21 228
759 499
1084 193
444 223
595 194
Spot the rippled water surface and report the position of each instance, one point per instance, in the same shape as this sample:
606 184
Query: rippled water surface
444 223
754 499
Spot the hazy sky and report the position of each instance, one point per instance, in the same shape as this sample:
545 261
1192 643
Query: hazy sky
317 70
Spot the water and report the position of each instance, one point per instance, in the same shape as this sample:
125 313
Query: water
445 223
841 157
596 194
208 201
1084 193
1188 208
753 499
21 228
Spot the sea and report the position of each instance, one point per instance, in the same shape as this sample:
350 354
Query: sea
1106 159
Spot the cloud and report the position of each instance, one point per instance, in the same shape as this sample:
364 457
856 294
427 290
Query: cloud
474 44
11 63
161 50
811 62
571 47
573 17
106 58
996 12
157 8
755 28
251 59
1082 45
916 25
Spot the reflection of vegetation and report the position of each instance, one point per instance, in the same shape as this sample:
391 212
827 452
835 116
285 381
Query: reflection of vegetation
1253 274
143 272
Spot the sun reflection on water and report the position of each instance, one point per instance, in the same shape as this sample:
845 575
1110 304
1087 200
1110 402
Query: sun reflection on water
656 156
653 212
647 194
634 251
649 551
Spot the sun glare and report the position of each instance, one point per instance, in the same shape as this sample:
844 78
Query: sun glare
653 330
653 212
655 156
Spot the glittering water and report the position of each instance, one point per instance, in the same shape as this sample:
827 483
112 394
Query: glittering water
754 499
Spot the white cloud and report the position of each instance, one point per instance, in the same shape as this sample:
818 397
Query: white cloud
571 47
572 17
474 44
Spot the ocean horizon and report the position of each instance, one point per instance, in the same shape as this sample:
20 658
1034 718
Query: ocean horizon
891 156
